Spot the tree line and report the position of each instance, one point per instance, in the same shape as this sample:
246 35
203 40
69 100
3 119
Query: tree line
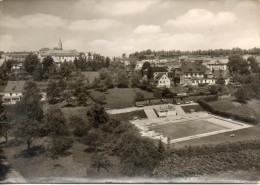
146 54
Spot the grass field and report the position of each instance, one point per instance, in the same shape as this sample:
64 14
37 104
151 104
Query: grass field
117 98
251 109
187 128
43 169
90 75
246 134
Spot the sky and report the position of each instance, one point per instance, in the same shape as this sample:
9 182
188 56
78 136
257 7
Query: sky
113 27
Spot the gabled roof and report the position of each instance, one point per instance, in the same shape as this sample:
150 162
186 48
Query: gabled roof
221 73
14 86
222 61
193 67
159 69
159 76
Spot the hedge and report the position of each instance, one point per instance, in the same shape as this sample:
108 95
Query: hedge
200 160
238 117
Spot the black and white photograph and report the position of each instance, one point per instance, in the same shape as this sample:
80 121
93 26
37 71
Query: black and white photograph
129 91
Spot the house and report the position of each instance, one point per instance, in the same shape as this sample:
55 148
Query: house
18 56
13 92
222 73
194 73
162 80
217 63
156 71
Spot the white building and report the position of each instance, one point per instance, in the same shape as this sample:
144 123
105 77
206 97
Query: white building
217 63
166 110
13 92
59 53
162 80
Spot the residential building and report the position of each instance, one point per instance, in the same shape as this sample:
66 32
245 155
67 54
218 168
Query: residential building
18 56
13 92
194 73
222 73
162 80
217 63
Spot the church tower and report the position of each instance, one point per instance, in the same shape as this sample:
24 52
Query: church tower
60 45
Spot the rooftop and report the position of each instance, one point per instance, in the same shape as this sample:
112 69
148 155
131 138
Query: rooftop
14 86
193 67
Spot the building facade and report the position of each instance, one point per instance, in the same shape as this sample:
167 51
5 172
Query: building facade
13 92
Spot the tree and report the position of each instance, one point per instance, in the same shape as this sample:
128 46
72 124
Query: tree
53 91
103 73
145 66
26 130
38 72
4 169
97 115
139 156
47 66
30 63
237 65
122 80
176 80
80 125
161 149
56 128
221 81
214 89
149 73
135 79
30 104
100 160
241 95
66 69
139 96
254 67
5 125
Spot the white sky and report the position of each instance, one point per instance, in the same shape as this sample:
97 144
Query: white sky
112 27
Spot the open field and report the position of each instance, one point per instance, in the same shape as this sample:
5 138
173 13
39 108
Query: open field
39 169
251 109
90 75
121 97
187 128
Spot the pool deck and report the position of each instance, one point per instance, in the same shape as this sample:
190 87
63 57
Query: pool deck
228 125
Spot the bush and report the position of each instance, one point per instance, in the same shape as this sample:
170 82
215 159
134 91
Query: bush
190 161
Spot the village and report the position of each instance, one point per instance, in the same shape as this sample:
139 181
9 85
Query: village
151 91
179 101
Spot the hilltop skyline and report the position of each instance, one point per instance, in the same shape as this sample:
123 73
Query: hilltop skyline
115 27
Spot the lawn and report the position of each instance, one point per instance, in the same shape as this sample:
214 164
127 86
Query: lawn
129 115
251 109
117 98
43 169
246 134
196 108
187 128
90 75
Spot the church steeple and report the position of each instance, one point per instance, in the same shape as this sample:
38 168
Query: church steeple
60 45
